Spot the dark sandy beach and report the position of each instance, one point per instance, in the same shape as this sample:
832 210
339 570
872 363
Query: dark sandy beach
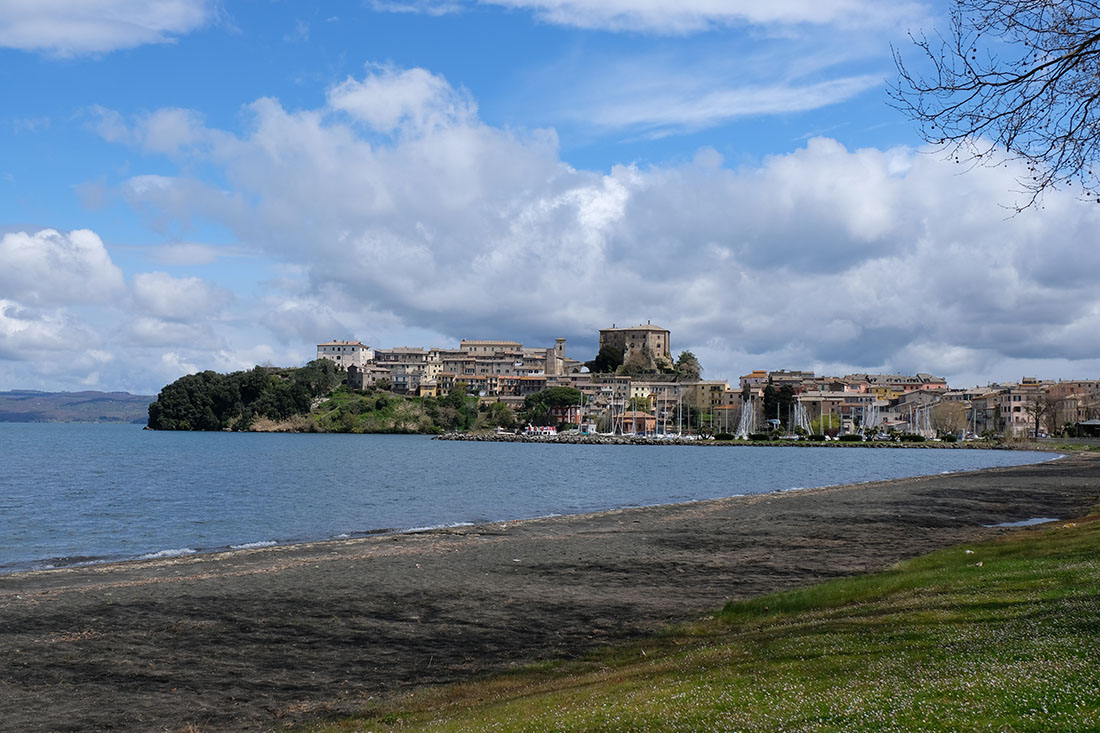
259 639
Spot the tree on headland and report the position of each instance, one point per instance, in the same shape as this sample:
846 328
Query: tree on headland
211 401
1012 80
189 403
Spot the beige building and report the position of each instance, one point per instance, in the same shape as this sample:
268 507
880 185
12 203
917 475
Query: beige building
408 367
646 345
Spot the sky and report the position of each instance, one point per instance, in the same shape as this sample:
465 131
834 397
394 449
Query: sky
215 184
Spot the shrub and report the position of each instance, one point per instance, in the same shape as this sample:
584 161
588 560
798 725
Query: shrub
950 438
760 436
851 438
723 436
911 438
815 436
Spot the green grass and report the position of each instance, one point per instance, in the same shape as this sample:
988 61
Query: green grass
1069 447
378 412
1000 636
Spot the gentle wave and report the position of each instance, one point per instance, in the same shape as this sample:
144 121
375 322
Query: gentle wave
176 552
433 527
254 545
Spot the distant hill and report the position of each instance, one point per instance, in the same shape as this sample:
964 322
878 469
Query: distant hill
32 406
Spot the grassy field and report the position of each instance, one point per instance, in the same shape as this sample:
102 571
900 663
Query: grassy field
1001 636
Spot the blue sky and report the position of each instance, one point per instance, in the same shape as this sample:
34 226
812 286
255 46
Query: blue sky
192 184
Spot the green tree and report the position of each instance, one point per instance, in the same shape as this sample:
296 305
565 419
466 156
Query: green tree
688 368
456 411
778 403
536 407
607 360
825 425
456 398
770 401
211 401
501 415
188 404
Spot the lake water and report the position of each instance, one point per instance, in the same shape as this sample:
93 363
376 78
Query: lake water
72 493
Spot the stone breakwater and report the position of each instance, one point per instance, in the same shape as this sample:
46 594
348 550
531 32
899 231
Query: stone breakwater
573 439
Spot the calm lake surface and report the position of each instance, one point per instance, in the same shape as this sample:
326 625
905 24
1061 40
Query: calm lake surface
72 493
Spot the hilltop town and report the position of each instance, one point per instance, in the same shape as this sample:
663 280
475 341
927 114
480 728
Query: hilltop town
635 386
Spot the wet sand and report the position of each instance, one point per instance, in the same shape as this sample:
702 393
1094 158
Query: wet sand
261 639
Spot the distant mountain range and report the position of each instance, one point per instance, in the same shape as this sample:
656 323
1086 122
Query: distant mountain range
32 406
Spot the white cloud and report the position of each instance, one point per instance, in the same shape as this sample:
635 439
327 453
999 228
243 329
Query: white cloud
427 7
176 298
23 331
54 268
673 86
158 332
168 130
677 106
412 99
685 16
80 27
823 258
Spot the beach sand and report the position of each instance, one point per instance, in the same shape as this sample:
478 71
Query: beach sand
260 639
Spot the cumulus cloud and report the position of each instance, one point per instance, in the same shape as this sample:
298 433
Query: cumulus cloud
166 131
68 320
42 348
824 257
159 332
49 267
412 99
177 298
23 330
81 27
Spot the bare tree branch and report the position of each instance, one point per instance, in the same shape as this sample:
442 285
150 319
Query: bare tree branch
1013 80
